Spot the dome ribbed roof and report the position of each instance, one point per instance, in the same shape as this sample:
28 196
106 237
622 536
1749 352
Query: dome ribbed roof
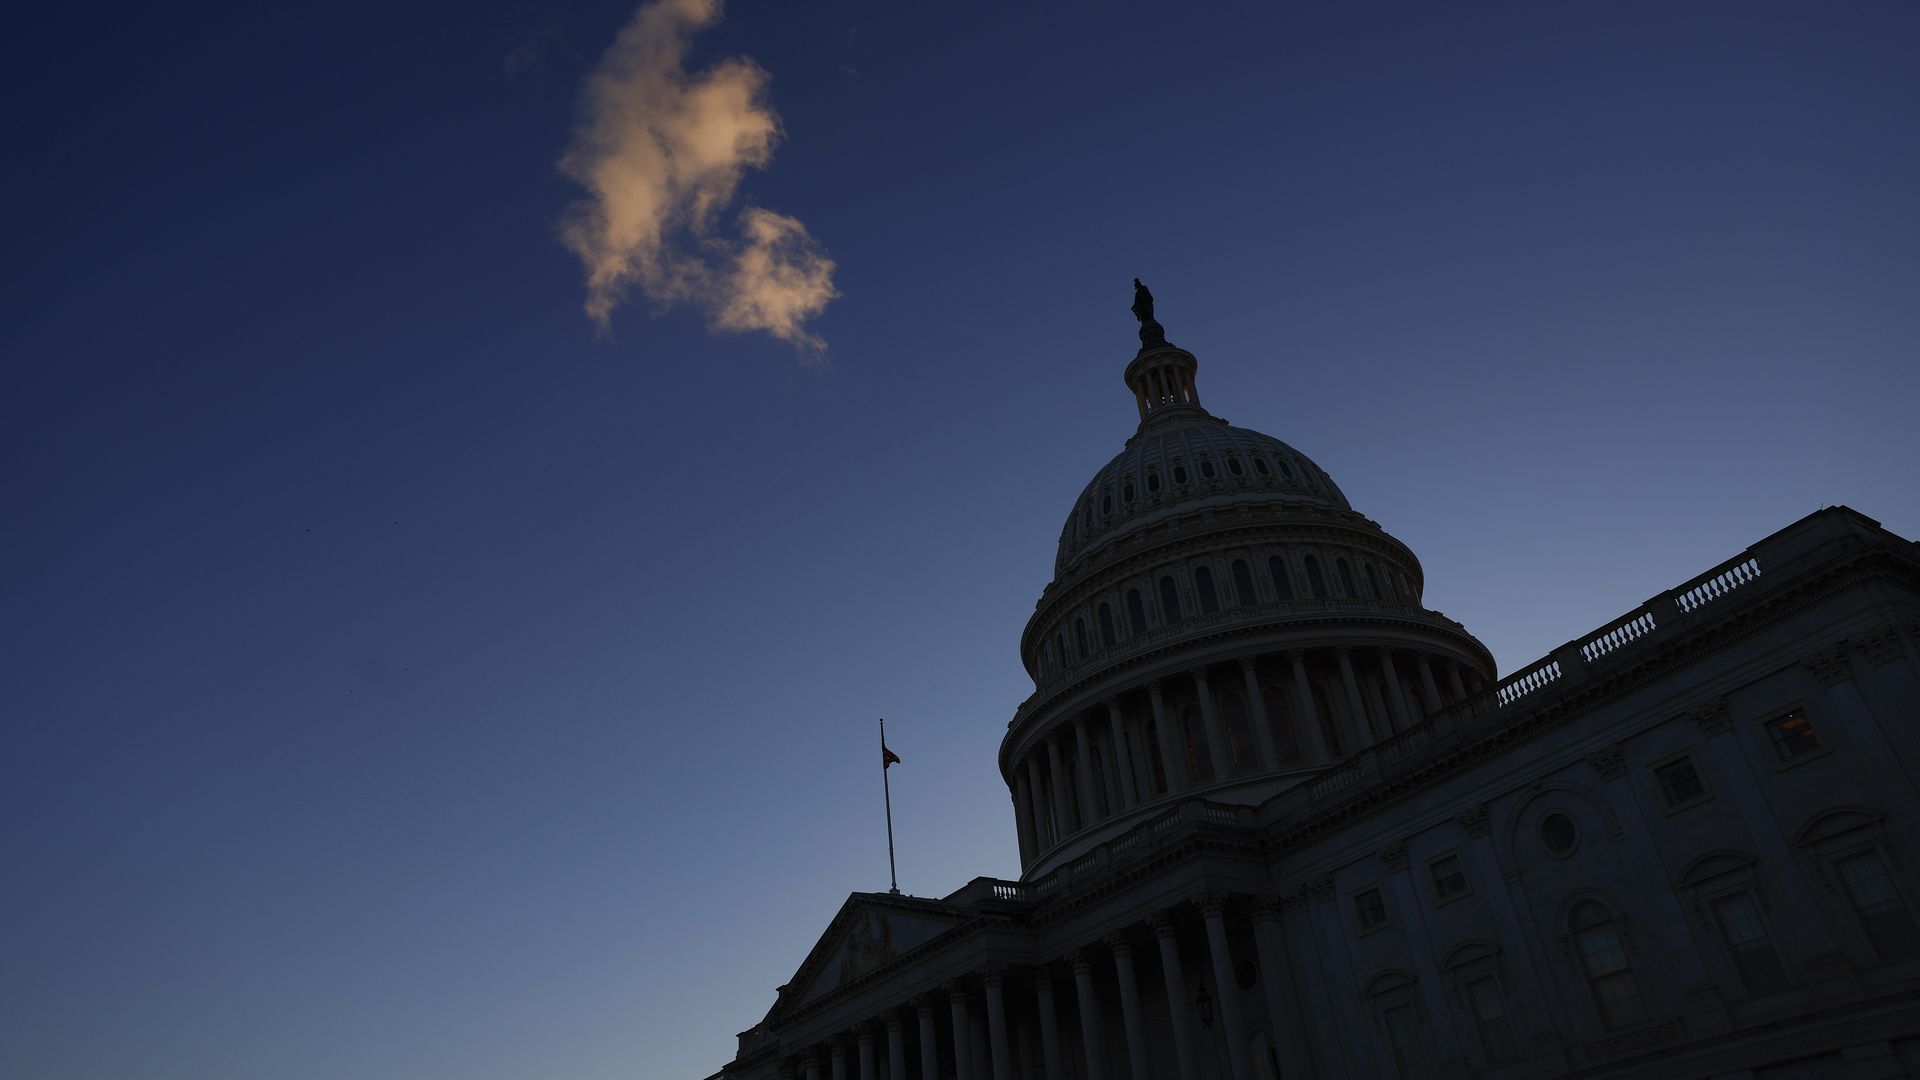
1174 468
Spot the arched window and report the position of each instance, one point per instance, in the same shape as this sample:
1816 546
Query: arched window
1285 469
1346 578
1086 514
1604 959
1260 466
1373 583
1179 474
1315 580
1286 744
1243 583
1060 649
1199 757
1169 601
1136 613
1206 468
1080 636
1126 490
1233 465
1282 580
1106 502
1106 626
1241 755
1153 479
1203 584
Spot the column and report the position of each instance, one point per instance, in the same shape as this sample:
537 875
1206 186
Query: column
1283 1006
1049 1028
1396 696
896 1046
1122 756
810 1063
962 1042
1216 731
1179 1009
1089 780
1172 754
1360 730
1213 909
1263 730
1313 739
1042 834
869 1069
1023 814
981 1057
1139 1057
1063 819
1093 1033
1428 688
995 977
839 1047
1454 684
929 1040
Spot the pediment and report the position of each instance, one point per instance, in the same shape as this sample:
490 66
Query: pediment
870 930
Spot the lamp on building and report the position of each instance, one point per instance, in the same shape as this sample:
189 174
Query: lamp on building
1204 1003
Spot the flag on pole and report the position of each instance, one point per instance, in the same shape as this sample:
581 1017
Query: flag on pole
887 757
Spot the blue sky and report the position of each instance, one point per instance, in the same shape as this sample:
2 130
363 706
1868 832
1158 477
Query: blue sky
406 679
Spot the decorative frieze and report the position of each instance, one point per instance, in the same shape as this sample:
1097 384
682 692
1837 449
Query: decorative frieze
1710 715
1265 908
1829 665
1472 820
1608 761
1394 855
1880 644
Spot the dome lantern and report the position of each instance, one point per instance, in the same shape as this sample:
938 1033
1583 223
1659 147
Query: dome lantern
1161 375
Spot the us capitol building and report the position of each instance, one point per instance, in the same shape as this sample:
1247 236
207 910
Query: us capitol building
1278 819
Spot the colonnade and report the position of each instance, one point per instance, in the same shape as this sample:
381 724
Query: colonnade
1299 708
1052 1019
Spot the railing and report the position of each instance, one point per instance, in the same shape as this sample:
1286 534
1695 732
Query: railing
1717 583
1514 687
1635 626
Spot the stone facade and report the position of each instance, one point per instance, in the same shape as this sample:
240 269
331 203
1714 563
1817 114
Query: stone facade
1276 818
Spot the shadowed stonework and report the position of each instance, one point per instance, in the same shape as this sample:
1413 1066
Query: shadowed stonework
1278 818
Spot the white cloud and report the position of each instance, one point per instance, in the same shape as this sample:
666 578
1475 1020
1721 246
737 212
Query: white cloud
661 151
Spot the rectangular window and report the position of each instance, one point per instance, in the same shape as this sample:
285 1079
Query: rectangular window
1679 783
1449 877
1792 735
1403 1035
1748 943
1490 1016
1370 908
1883 913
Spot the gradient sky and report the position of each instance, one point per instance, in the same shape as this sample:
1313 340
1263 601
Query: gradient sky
404 681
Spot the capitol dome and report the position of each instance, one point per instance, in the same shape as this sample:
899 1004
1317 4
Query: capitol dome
1221 623
1185 463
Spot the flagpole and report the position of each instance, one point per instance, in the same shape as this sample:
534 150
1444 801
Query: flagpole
887 789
